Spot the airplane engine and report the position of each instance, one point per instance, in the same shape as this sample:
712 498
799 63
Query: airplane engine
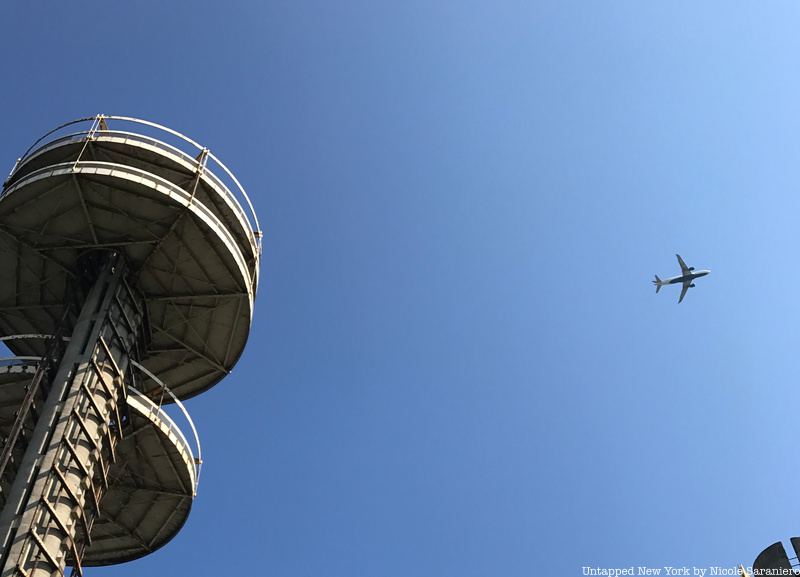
691 285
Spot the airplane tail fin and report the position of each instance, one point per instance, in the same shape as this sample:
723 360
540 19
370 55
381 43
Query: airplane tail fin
657 282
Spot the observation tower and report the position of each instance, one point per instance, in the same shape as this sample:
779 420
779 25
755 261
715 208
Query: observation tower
128 271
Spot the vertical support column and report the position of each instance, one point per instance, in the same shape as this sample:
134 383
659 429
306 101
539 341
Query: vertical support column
55 498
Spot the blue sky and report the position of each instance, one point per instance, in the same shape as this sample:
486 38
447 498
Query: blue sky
458 365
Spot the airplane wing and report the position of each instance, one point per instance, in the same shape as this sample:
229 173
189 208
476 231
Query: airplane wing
684 269
686 285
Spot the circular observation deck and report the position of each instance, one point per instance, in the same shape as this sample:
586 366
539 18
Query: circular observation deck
193 250
151 486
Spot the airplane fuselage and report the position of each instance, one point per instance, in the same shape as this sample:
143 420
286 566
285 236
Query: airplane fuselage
686 277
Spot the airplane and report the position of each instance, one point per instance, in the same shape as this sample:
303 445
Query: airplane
687 276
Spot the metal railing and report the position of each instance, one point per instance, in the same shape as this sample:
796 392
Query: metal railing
199 159
156 410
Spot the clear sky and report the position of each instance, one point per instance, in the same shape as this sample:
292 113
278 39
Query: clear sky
458 365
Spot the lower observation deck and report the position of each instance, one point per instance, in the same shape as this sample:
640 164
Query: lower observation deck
151 484
151 488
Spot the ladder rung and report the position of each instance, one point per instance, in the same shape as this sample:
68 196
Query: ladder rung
47 554
64 530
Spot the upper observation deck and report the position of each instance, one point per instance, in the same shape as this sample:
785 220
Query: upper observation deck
167 204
